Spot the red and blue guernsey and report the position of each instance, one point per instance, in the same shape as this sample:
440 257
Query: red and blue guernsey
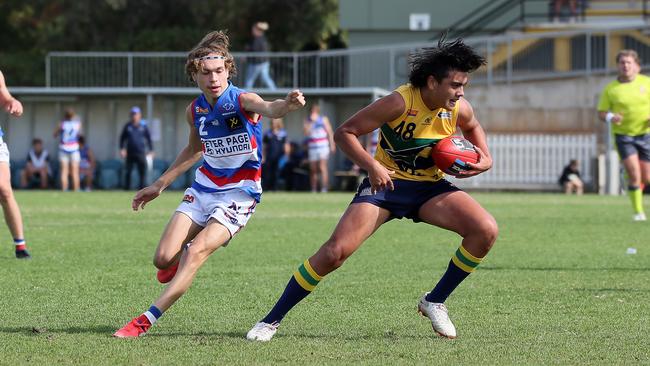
232 150
69 136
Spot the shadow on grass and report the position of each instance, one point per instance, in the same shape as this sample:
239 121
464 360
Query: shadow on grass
576 269
44 331
109 330
601 290
198 336
314 336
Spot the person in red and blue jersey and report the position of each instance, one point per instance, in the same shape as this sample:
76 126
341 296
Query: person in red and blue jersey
320 143
226 135
68 132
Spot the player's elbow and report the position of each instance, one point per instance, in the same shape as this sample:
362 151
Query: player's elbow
341 134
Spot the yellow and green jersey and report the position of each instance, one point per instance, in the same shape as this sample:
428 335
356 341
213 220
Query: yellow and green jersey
632 101
405 143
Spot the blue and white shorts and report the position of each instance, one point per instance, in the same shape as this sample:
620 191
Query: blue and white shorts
319 153
4 152
69 156
231 209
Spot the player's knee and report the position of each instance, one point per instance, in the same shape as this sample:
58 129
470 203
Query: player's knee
5 193
489 230
197 252
164 258
162 261
335 253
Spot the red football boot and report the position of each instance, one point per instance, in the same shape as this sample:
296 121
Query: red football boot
135 328
167 274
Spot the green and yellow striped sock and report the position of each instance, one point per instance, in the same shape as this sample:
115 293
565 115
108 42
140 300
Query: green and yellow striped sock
301 284
306 277
460 266
465 260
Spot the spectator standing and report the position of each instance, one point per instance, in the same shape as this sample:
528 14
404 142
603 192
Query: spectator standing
275 147
570 179
320 143
86 165
258 66
557 9
68 132
37 166
135 144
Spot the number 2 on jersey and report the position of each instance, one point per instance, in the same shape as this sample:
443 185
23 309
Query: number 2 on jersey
202 132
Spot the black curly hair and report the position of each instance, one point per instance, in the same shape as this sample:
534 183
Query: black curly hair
438 61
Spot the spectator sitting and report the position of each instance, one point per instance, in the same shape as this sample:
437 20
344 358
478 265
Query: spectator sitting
275 147
37 169
570 178
295 170
86 165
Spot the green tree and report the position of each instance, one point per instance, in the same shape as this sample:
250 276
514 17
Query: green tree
29 29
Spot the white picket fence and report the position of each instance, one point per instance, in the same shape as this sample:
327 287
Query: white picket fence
534 161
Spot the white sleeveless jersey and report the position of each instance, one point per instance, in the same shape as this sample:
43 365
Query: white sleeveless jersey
232 145
69 136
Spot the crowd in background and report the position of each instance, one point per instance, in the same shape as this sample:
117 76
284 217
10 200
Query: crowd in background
76 166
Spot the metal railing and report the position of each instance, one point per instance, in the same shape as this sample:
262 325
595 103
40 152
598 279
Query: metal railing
498 16
527 160
511 58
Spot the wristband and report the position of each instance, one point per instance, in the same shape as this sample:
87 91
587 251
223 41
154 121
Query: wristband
609 116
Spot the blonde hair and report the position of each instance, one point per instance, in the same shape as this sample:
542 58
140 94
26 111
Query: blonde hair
213 42
628 53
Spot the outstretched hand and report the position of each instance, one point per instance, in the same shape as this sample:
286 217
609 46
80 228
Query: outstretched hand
484 163
145 195
295 100
14 107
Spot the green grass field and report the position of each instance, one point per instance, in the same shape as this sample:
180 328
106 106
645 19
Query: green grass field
558 287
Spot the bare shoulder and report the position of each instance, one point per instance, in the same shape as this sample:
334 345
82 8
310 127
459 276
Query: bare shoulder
391 106
465 111
392 101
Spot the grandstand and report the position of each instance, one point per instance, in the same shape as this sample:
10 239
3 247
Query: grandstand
541 82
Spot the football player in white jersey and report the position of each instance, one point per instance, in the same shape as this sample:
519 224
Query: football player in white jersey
215 207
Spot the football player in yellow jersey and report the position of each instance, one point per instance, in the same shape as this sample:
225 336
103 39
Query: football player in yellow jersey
402 183
625 102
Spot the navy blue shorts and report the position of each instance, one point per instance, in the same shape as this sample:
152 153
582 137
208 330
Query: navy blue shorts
407 197
630 145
